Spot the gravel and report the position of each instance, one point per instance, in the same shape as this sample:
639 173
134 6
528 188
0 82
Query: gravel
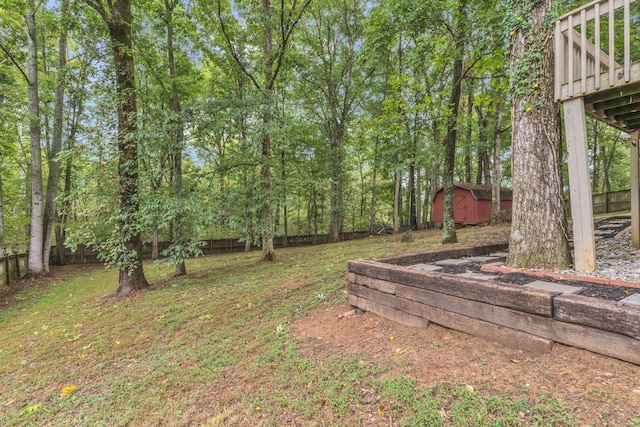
615 257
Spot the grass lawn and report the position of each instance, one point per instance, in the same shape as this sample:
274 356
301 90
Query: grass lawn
217 348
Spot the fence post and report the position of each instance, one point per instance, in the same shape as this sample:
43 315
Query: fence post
18 264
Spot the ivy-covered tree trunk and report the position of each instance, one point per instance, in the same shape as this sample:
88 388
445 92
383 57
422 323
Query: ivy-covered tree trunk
539 226
36 235
119 19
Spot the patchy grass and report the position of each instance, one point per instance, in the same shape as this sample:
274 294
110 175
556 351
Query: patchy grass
214 348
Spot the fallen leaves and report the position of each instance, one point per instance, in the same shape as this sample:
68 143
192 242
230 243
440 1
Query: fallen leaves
66 390
32 408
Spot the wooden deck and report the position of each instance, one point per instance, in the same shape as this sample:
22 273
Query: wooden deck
611 90
596 74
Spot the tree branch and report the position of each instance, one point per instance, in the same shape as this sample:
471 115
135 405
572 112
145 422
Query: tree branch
232 49
287 35
98 7
6 52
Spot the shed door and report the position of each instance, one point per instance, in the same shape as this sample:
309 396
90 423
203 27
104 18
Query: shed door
460 207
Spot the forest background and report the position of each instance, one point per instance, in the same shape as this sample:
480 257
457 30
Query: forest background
253 119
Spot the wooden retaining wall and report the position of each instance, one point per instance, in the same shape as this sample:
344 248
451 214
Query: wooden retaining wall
519 317
12 267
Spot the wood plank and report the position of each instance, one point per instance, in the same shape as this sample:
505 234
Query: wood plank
598 341
579 185
475 327
627 40
425 257
377 284
623 117
529 300
612 41
351 277
627 108
558 60
513 319
590 9
617 100
609 316
568 89
387 312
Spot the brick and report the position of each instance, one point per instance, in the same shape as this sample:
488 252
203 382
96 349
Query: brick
624 283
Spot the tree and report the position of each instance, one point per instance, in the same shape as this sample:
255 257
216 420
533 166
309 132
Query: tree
539 227
127 255
56 146
333 76
282 21
448 222
36 236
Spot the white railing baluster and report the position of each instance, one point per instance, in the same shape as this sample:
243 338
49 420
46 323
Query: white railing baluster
571 54
583 50
559 60
612 47
627 41
597 69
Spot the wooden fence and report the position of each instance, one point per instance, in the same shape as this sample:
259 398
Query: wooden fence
12 267
612 202
15 266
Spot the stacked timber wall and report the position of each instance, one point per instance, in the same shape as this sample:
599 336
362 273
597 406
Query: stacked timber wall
12 267
520 317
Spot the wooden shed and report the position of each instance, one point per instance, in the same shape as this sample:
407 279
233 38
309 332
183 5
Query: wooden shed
471 203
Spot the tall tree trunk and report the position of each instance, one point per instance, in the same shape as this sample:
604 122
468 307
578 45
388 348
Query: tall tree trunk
35 265
178 226
467 140
448 225
397 203
56 145
594 159
419 198
77 110
119 19
539 227
2 250
413 221
283 175
268 251
495 183
483 124
374 177
606 181
337 150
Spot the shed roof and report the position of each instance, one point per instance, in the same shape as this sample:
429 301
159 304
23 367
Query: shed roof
482 191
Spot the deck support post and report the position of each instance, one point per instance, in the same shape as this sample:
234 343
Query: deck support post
635 193
579 185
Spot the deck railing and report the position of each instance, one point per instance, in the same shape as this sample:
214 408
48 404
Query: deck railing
581 66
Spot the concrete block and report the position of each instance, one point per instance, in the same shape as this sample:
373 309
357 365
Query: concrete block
554 287
483 258
425 267
453 262
633 299
478 276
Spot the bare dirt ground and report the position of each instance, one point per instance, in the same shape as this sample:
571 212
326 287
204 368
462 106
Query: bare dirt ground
600 391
